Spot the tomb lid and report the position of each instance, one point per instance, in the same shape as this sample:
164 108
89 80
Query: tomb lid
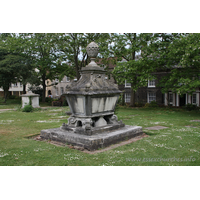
30 94
93 78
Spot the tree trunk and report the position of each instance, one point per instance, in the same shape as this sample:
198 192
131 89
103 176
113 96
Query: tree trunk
44 87
24 88
5 95
123 99
132 103
77 73
77 67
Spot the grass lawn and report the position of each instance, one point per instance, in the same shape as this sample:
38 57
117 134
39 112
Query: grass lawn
177 145
16 103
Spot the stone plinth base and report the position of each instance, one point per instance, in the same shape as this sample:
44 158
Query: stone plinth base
92 142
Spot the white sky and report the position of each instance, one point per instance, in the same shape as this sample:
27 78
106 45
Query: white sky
104 16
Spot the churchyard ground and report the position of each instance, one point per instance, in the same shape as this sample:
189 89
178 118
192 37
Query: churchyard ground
176 145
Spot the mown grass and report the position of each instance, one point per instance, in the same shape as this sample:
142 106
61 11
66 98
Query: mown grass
16 103
10 103
162 148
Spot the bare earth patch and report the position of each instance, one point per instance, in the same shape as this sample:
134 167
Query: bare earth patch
4 132
4 110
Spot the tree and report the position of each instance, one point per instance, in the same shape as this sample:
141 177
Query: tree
73 47
44 53
10 65
133 71
183 64
174 53
178 54
16 46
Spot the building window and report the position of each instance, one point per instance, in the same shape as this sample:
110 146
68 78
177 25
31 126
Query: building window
151 97
170 98
127 97
194 98
67 79
56 91
127 85
14 84
61 90
151 83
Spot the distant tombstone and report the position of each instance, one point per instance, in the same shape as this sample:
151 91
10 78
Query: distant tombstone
34 98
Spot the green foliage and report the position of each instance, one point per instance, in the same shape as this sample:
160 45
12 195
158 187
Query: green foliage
179 55
13 97
153 104
65 103
131 69
37 109
121 100
190 107
73 48
36 89
15 64
139 104
28 108
48 99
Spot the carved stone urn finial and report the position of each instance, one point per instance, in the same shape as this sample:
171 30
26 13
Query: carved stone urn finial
92 50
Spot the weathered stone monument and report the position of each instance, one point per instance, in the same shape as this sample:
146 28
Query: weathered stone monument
34 98
92 100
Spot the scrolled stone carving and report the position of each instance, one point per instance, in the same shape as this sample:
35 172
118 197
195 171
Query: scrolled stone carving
113 119
72 121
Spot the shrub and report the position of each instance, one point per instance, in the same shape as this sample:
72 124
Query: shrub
28 108
12 97
146 105
65 103
190 107
48 99
152 104
139 104
121 100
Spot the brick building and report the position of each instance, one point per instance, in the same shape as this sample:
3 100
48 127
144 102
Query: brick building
143 95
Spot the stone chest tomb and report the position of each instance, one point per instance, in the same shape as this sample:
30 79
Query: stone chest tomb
92 100
30 98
